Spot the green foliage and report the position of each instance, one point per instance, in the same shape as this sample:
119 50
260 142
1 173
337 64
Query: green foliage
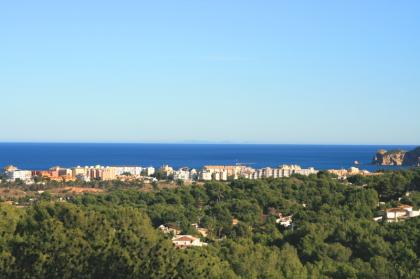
114 235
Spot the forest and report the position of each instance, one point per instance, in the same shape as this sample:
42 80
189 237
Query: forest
114 234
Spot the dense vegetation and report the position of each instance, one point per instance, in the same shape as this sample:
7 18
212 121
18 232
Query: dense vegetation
114 235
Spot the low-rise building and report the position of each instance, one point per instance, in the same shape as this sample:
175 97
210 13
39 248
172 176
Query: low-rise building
400 213
205 175
13 174
285 221
55 174
182 174
344 173
170 229
150 171
167 170
187 241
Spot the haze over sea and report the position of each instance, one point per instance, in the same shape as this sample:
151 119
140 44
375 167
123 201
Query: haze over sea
45 155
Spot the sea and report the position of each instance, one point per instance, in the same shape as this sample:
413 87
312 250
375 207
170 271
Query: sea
39 156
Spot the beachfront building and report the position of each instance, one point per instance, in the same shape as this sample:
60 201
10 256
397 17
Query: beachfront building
182 174
9 168
166 170
108 173
81 173
104 173
131 170
221 173
150 171
12 174
232 171
281 171
194 174
205 175
55 174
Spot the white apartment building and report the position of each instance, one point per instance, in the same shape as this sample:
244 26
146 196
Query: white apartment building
167 170
133 170
281 171
182 174
24 175
150 171
205 175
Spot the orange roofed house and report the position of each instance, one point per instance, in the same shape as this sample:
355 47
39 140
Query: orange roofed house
55 173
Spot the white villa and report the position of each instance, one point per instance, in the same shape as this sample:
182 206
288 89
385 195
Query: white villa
400 213
187 241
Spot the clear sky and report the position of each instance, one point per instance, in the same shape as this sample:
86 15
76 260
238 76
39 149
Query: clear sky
341 72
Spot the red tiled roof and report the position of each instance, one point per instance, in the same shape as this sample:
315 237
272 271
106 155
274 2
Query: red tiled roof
185 238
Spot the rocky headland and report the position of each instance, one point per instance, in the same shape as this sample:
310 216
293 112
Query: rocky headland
397 157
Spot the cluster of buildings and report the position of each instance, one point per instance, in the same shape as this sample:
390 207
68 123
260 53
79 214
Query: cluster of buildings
87 173
207 173
224 173
183 241
110 173
344 173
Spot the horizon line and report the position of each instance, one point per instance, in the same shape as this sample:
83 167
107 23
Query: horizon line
199 143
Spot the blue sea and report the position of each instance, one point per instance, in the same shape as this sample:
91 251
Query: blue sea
36 156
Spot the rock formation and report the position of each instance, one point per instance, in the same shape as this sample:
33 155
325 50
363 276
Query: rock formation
397 158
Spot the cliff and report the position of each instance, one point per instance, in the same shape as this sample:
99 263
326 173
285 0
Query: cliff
397 157
412 158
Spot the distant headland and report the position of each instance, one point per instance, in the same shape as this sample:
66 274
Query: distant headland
397 157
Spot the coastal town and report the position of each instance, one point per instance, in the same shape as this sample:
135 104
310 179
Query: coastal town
220 173
166 172
108 173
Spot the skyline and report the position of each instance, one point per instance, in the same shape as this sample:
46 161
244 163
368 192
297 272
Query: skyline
210 72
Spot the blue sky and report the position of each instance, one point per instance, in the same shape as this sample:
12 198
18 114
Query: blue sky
341 72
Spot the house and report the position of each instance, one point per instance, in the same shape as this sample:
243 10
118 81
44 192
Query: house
400 213
169 229
395 213
285 221
187 241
